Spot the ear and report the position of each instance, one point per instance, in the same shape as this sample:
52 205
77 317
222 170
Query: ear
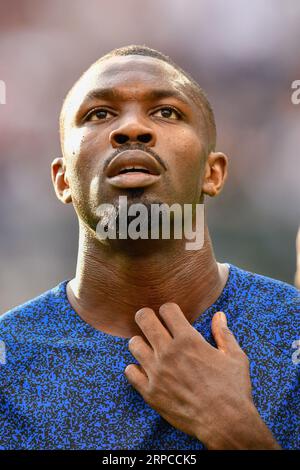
60 180
215 173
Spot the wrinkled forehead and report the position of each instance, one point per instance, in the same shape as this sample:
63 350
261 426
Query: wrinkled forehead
124 71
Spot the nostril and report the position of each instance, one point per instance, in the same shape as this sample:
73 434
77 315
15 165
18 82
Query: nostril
121 138
145 138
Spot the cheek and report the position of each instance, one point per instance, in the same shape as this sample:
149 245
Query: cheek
73 143
188 162
83 148
83 143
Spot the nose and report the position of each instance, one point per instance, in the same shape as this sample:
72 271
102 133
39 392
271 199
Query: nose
132 131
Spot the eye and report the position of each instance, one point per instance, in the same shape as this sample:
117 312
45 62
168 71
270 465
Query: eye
99 114
168 112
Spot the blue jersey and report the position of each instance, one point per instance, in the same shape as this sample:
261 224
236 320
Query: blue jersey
62 382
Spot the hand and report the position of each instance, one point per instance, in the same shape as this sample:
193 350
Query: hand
199 389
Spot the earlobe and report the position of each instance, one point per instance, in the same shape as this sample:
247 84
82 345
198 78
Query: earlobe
215 173
60 180
209 189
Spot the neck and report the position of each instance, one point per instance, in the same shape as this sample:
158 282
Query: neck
110 285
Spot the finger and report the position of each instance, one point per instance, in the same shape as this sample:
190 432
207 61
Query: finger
223 336
174 319
141 351
153 329
136 377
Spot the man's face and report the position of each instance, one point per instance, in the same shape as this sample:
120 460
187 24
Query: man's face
133 103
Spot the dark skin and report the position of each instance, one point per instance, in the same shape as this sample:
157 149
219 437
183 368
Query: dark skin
142 289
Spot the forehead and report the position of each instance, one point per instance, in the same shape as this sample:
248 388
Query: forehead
135 73
123 69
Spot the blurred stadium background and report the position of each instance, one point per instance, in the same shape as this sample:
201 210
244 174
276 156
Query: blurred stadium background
244 53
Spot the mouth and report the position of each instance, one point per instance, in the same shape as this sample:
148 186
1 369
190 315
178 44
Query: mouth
133 169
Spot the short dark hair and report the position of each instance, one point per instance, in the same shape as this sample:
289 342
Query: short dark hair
197 92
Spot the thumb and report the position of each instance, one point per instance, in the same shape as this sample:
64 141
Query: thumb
223 336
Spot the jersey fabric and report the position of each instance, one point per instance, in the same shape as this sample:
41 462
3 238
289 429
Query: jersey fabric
62 382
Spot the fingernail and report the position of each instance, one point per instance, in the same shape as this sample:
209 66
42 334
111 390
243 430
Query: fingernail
223 318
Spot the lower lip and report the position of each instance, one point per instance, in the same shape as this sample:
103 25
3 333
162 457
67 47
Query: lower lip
133 180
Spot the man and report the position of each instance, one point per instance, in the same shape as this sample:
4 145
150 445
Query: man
136 125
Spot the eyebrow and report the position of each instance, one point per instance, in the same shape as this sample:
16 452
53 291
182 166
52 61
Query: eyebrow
114 95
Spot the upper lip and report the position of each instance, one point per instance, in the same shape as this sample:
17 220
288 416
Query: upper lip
129 159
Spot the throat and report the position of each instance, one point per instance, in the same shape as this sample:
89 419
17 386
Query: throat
111 307
109 287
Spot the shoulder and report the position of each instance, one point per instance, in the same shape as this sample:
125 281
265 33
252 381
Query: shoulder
261 288
35 313
269 306
27 329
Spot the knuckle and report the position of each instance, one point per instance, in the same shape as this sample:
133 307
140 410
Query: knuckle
242 357
187 343
182 340
155 379
226 331
166 354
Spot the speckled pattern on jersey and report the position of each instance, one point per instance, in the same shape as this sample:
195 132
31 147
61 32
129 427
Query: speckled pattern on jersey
63 384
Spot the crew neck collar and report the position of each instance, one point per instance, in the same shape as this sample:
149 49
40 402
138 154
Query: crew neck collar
87 330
